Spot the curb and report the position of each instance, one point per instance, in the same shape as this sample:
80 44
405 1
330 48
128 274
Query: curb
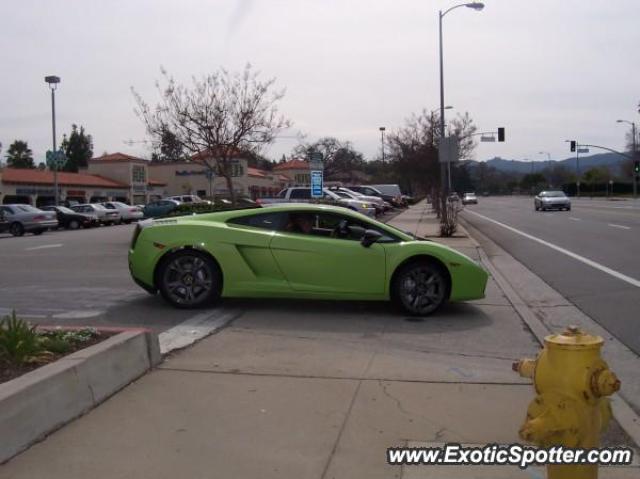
622 411
41 401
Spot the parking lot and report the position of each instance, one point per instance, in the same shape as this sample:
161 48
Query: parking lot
81 277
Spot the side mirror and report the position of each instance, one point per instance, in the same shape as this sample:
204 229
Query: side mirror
370 237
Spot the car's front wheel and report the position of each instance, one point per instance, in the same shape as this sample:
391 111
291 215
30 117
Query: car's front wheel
16 229
74 224
421 287
189 279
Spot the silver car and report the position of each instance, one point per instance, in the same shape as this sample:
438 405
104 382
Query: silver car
552 200
21 219
126 213
105 216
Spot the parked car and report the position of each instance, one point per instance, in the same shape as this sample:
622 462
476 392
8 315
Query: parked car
69 219
550 200
379 204
126 213
302 194
20 219
394 192
187 199
159 208
469 199
393 200
105 217
300 251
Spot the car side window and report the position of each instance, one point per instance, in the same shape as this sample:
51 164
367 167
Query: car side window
266 221
300 193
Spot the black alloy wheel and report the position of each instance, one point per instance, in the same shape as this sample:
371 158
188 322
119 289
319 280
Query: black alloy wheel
421 288
189 279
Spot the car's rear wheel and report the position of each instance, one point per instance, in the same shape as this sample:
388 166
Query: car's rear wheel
421 287
16 229
189 279
74 224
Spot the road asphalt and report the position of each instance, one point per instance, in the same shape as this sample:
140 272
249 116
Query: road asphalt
606 233
314 390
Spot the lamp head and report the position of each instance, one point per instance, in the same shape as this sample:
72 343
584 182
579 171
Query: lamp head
52 79
475 5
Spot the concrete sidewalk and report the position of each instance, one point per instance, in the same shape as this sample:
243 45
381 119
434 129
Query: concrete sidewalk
305 389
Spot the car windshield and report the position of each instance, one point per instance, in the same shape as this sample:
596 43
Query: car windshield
64 209
98 206
553 194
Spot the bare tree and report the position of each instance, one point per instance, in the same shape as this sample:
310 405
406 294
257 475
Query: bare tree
218 118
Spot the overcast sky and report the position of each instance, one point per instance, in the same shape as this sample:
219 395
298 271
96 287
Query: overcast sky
547 70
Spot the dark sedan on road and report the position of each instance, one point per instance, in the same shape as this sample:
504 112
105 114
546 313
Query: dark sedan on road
20 219
552 200
69 219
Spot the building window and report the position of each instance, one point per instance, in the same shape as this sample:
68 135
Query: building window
138 174
303 178
237 170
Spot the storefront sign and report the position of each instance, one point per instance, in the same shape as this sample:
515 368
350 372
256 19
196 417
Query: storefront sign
35 191
140 188
190 173
76 193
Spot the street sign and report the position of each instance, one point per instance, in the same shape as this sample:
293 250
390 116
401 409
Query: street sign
583 150
448 151
55 158
316 184
315 161
487 138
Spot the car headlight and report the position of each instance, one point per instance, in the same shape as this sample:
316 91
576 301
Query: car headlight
365 205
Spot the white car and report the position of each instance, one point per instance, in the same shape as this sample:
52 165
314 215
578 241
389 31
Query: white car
105 216
187 199
127 213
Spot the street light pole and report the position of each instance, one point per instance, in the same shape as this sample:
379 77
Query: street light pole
382 128
446 183
53 81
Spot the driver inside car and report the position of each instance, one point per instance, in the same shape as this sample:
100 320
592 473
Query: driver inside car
300 223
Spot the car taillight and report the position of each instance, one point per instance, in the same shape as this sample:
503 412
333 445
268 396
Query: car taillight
134 210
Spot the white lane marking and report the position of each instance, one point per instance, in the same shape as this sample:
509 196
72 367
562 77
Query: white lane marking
46 246
574 219
193 329
587 261
619 226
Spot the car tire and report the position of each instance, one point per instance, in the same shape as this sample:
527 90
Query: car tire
568 208
418 281
189 279
16 229
74 225
38 232
536 207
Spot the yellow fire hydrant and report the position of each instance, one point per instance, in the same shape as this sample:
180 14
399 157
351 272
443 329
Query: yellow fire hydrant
571 408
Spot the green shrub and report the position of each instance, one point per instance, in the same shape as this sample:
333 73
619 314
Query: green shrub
217 205
19 341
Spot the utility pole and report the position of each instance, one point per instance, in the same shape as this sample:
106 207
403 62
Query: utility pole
382 129
53 81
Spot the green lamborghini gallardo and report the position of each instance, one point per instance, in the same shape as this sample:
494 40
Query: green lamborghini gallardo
297 251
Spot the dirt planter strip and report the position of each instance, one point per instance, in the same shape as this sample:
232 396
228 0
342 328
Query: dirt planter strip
43 400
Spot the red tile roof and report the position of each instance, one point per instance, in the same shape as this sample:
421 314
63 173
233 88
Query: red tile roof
117 157
256 172
156 183
207 154
292 165
45 177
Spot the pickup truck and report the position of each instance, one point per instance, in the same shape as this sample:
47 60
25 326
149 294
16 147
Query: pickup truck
302 194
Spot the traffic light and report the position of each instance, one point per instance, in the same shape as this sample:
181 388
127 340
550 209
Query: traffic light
501 133
636 167
573 145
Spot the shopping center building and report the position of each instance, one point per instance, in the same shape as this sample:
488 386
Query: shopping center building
121 177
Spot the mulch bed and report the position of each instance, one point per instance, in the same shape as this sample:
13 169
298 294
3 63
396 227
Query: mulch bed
10 371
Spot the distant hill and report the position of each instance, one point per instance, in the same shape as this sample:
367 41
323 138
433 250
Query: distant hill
586 162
